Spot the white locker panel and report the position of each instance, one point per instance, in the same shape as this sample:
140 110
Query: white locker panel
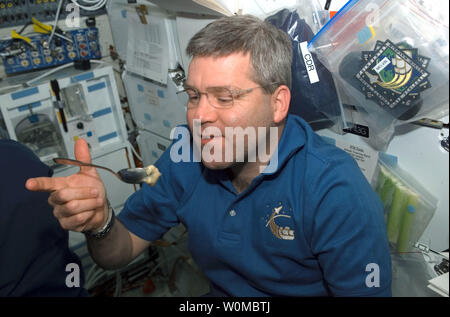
419 152
188 27
92 110
154 107
152 146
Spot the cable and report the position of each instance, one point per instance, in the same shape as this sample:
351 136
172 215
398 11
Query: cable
134 151
93 5
172 273
30 82
94 274
11 87
118 290
166 260
9 39
90 273
56 21
24 27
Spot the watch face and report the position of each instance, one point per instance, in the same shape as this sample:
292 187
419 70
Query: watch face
100 233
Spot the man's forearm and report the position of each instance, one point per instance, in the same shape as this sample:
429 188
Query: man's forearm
114 250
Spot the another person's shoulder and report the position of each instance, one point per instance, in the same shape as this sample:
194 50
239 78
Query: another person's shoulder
17 155
8 146
11 149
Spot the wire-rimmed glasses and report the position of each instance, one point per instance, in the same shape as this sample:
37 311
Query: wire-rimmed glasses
218 97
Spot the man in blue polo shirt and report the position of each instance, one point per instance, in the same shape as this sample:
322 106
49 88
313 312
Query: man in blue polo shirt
305 223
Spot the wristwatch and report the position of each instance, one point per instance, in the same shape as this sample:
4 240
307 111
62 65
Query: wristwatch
102 232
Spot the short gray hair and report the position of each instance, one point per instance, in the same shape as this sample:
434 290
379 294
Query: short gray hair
270 48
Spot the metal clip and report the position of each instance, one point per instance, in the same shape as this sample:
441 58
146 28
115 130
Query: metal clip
142 12
445 144
430 123
422 247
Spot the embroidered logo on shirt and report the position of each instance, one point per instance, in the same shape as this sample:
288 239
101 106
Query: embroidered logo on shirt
283 233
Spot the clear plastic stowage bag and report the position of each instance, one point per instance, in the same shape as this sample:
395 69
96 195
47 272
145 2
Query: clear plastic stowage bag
408 206
390 61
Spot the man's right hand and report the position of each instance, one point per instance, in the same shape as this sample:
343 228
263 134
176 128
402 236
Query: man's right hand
79 200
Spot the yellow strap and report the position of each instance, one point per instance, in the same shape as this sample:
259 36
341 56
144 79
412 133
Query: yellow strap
38 29
41 25
16 35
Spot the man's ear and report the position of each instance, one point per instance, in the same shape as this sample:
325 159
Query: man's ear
280 103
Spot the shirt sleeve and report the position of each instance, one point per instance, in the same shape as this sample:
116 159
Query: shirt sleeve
347 231
151 211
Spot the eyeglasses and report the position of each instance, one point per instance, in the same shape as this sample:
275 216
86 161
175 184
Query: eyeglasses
218 97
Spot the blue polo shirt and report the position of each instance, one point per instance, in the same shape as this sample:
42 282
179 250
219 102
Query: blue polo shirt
312 227
34 249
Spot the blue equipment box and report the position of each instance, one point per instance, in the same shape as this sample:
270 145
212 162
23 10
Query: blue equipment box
85 46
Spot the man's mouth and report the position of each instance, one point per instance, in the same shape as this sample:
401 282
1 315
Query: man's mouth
209 137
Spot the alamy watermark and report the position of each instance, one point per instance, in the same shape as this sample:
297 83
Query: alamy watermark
251 144
73 278
373 278
73 16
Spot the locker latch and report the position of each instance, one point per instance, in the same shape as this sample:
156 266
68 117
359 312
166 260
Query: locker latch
142 12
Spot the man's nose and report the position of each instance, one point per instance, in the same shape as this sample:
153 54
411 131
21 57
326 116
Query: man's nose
204 110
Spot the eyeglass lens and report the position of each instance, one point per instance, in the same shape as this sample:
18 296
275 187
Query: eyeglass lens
219 97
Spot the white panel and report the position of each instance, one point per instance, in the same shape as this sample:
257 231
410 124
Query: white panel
120 14
100 122
117 191
30 117
187 27
419 153
151 146
117 14
155 108
186 6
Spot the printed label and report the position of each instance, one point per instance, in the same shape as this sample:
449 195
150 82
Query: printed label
365 157
309 63
161 147
48 157
358 129
381 65
151 97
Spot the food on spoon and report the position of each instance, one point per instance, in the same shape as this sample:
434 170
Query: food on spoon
153 175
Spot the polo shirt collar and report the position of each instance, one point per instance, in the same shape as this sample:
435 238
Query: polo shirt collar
292 139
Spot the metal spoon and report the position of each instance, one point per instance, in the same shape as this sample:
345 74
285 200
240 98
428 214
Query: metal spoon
127 175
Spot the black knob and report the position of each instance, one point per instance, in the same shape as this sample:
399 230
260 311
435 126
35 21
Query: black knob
80 125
